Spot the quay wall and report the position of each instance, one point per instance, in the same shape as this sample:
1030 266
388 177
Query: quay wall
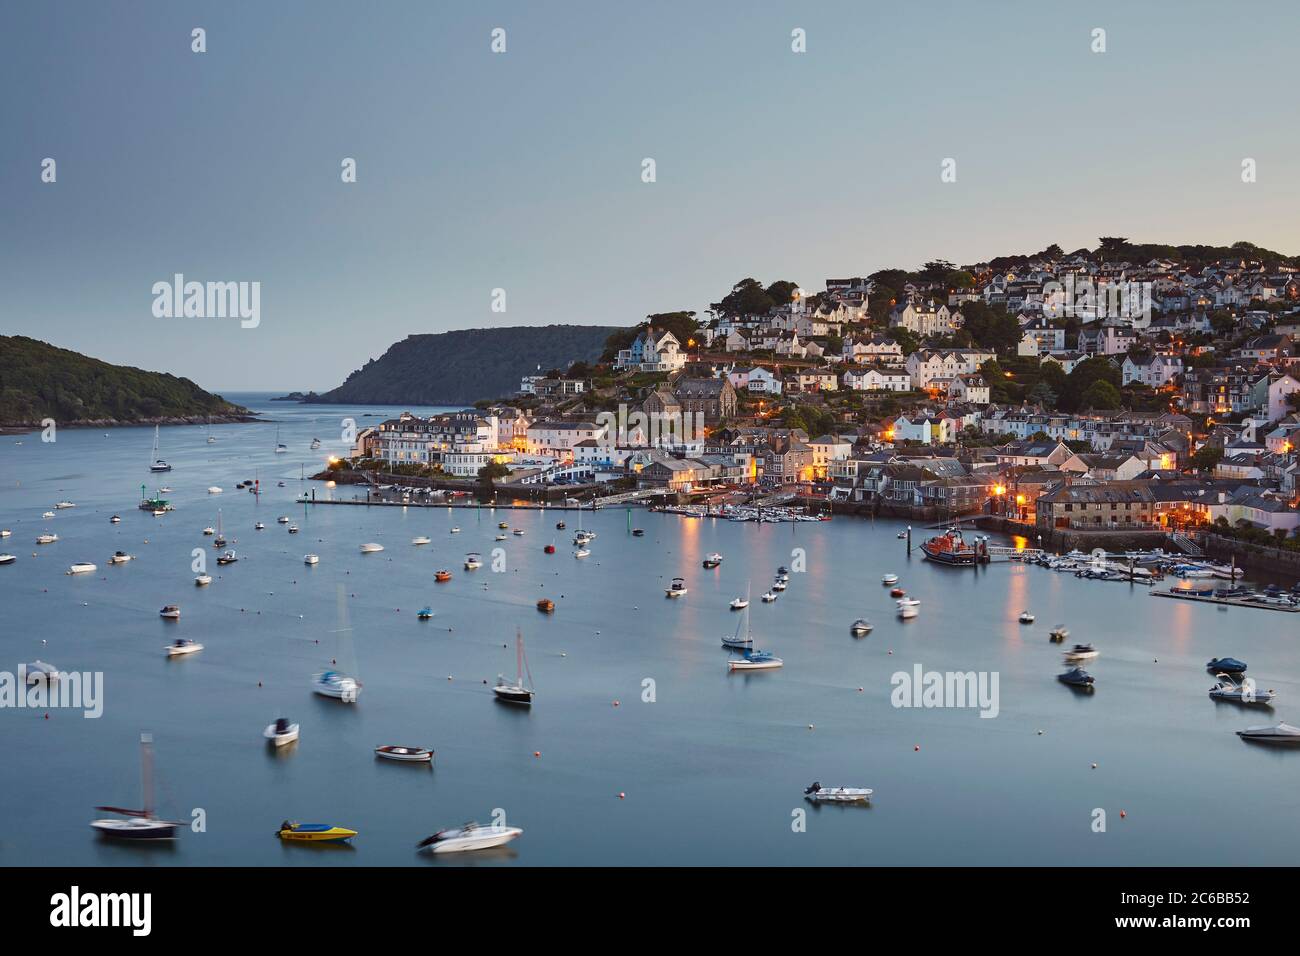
1253 557
1069 539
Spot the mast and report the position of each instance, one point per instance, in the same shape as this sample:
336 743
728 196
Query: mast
146 773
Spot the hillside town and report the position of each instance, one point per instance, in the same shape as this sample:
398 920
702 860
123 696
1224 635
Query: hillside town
1112 391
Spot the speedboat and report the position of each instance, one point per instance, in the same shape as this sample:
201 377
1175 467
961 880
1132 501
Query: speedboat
442 576
311 559
739 604
116 519
281 732
209 531
214 490
7 558
889 580
336 685
170 612
228 558
424 613
755 661
768 597
713 560
81 567
818 793
860 626
203 580
1081 652
46 538
471 836
283 519
293 529
421 539
314 832
183 645
1059 633
1240 692
371 548
907 608
119 557
64 504
408 754
1026 617
473 561
1076 677
1229 665
1282 733
677 589
581 552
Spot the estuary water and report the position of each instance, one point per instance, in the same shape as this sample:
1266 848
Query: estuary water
640 748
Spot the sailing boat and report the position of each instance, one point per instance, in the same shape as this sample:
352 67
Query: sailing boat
516 693
280 447
139 824
158 463
220 540
580 537
211 440
743 638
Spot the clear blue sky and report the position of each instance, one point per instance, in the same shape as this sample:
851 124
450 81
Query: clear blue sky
522 170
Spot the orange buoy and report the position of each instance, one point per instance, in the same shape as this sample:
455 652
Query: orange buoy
916 747
537 753
1122 814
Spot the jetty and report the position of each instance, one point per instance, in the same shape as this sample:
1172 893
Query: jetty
1260 602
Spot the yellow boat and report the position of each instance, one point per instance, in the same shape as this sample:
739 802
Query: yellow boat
503 526
314 832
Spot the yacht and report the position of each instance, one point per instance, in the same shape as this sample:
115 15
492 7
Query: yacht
743 639
39 672
209 531
471 836
778 585
47 514
293 529
158 463
182 646
228 557
517 692
1059 633
280 447
203 580
139 824
755 661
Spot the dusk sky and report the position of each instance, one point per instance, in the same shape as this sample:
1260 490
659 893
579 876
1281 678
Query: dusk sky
522 170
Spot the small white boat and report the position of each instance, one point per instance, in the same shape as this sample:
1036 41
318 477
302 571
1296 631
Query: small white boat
472 836
581 552
889 580
677 589
5 532
46 538
713 560
500 537
315 443
407 754
817 793
281 732
293 529
7 558
39 672
455 530
170 612
755 661
311 559
768 597
336 685
229 557
371 548
1081 652
739 604
1282 733
209 531
1026 617
1059 633
259 526
421 539
860 626
1240 692
81 567
518 532
778 585
48 514
203 580
121 557
182 646
214 490
473 562
64 504
908 608
116 519
283 519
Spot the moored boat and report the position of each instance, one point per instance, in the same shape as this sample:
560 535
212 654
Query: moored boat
1240 692
82 567
281 732
860 627
471 836
311 559
546 605
119 557
908 608
677 589
424 613
170 612
138 824
516 692
889 580
182 646
314 832
202 580
1281 733
473 561
336 685
371 547
406 754
755 661
442 576
1229 665
952 549
817 793
1076 677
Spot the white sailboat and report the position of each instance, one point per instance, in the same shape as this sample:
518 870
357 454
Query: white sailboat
157 463
517 692
743 638
280 447
211 439
139 824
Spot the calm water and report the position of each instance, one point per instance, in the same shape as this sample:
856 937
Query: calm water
711 771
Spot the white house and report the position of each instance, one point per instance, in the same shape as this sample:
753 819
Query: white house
877 380
653 352
761 380
1154 370
969 388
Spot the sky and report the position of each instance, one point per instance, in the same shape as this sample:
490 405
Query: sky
523 171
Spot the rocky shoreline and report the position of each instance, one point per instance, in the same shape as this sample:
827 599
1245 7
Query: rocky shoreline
18 428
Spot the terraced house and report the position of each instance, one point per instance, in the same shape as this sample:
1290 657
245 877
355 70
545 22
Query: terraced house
1117 506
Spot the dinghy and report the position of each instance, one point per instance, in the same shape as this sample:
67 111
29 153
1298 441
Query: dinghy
818 794
281 732
407 754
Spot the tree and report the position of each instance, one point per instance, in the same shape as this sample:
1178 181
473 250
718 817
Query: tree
747 297
492 470
1207 456
1085 374
781 291
991 327
1042 394
1101 394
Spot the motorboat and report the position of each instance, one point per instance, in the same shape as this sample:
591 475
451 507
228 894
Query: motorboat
1240 692
82 567
406 754
1081 652
768 597
371 548
214 490
116 519
5 532
203 580
39 672
182 646
314 832
138 824
228 557
818 794
1026 617
336 685
889 580
281 732
119 557
755 661
783 571
677 589
209 531
7 558
471 836
860 627
1076 677
259 526
442 576
902 535
518 532
47 538
713 560
283 519
560 526
421 539
897 593
739 604
581 552
47 514
293 529
311 559
638 532
170 612
315 443
516 691
424 613
64 504
503 525
546 605
778 585
908 608
1229 665
1281 733
455 530
473 562
1059 633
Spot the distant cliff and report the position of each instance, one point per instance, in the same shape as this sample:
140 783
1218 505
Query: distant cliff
459 368
39 380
